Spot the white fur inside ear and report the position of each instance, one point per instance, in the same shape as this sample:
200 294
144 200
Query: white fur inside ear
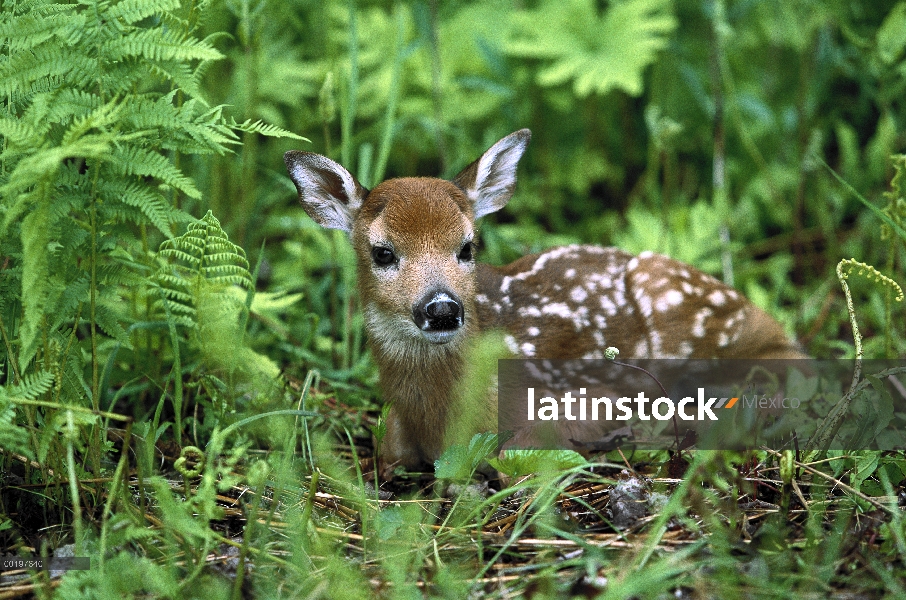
317 177
495 177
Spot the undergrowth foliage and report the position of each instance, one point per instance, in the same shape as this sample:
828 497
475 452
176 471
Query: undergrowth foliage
102 103
203 256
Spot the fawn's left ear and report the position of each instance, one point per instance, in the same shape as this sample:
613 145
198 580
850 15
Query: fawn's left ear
489 181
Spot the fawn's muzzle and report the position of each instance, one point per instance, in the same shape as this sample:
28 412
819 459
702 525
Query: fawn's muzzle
438 315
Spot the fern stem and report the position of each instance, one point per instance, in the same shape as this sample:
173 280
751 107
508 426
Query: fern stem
95 400
71 434
121 475
93 293
390 116
436 86
246 192
95 444
348 107
888 300
251 521
61 364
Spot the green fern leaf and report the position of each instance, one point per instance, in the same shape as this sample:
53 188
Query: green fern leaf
71 103
159 44
13 438
158 211
265 129
182 75
24 31
109 323
17 133
133 11
36 231
200 260
45 63
31 386
135 160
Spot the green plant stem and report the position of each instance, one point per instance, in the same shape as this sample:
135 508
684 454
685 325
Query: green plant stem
720 201
95 401
95 387
390 116
250 522
71 435
9 353
436 88
118 476
309 500
348 107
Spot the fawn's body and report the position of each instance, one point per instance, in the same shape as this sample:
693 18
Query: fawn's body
425 298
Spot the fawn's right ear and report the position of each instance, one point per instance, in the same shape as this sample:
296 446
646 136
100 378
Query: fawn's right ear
328 192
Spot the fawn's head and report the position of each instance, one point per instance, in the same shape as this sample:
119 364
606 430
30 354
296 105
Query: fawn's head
414 239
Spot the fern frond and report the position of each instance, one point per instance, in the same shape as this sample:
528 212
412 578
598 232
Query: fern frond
30 30
133 11
19 72
13 438
182 75
180 127
17 133
44 164
158 211
205 246
159 44
31 386
265 129
70 296
71 103
135 160
100 118
36 232
107 320
201 259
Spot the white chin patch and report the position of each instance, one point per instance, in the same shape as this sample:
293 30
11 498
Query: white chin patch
439 337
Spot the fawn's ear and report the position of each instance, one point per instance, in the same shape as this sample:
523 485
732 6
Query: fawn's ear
328 192
489 181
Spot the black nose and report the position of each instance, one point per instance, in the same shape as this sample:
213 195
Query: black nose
438 311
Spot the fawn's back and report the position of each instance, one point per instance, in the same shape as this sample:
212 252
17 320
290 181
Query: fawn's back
424 297
574 301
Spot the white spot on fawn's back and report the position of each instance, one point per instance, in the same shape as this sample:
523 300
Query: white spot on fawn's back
536 267
558 309
671 298
529 311
717 298
698 325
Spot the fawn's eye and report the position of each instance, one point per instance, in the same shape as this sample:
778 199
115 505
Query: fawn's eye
465 255
382 256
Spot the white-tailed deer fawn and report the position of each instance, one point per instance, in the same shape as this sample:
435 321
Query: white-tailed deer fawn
424 296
